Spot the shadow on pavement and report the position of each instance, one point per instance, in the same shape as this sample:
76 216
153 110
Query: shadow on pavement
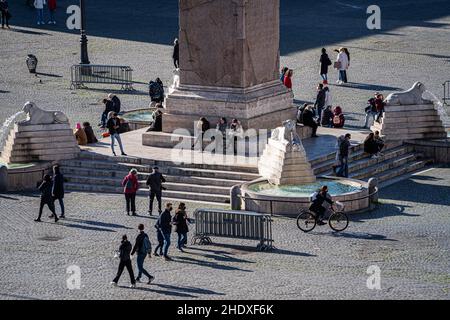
213 265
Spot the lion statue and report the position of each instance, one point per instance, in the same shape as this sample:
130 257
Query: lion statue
409 97
39 116
288 132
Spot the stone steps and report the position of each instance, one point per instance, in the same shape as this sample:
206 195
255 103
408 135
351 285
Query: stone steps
167 194
403 170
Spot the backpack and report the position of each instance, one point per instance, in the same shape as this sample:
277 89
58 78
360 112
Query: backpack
337 120
129 184
146 247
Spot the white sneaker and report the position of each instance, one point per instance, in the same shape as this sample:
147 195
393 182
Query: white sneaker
50 22
39 23
133 286
114 284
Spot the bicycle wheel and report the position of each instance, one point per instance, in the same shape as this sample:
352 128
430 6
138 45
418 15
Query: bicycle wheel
306 221
338 221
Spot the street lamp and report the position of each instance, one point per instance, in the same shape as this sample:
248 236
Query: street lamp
83 40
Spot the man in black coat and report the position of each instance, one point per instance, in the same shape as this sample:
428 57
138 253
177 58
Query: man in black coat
46 198
125 261
154 182
165 226
109 106
139 248
58 188
115 101
320 100
176 54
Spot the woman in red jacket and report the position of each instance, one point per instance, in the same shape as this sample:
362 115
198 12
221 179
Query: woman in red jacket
288 79
51 10
338 118
130 186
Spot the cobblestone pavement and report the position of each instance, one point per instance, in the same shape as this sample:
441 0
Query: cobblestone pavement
412 46
407 237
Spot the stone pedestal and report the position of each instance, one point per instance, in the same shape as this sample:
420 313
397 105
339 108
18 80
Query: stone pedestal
282 164
411 122
40 142
229 66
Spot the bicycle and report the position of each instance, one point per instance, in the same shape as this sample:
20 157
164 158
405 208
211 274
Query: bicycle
337 220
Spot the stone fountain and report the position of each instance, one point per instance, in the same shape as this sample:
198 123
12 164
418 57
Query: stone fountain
33 145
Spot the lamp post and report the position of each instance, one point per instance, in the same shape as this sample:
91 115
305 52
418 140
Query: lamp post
83 40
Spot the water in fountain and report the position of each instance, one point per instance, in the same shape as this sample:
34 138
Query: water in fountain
7 126
439 107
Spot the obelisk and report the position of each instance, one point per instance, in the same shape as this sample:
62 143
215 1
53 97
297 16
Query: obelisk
229 65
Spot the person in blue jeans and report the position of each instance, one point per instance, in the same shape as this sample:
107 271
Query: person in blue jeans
165 225
180 221
344 148
113 126
143 248
39 6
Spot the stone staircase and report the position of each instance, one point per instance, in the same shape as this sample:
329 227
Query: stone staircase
398 159
196 182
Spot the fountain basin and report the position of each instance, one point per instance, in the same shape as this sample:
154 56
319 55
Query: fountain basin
22 176
139 119
260 196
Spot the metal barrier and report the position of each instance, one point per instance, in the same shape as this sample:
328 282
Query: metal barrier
446 98
103 74
233 224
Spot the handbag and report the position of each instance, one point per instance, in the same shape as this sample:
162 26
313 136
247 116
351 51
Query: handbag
337 64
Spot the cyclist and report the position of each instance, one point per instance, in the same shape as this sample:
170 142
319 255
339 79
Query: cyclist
318 199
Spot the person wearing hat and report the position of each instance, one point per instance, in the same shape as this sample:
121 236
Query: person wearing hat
154 182
115 102
130 186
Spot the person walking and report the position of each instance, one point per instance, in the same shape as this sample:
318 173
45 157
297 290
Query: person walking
143 248
344 149
154 182
325 62
46 198
180 220
115 102
371 110
130 186
165 225
5 14
113 126
176 53
342 65
158 252
51 4
320 101
125 261
58 189
39 6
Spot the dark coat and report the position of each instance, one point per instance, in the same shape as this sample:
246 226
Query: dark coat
46 191
324 63
344 147
327 116
125 250
176 52
308 118
155 181
113 122
180 220
116 104
320 99
156 124
4 6
58 186
91 138
370 146
164 222
139 242
109 106
319 200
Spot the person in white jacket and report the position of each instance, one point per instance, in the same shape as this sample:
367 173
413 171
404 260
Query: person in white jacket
342 58
39 5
